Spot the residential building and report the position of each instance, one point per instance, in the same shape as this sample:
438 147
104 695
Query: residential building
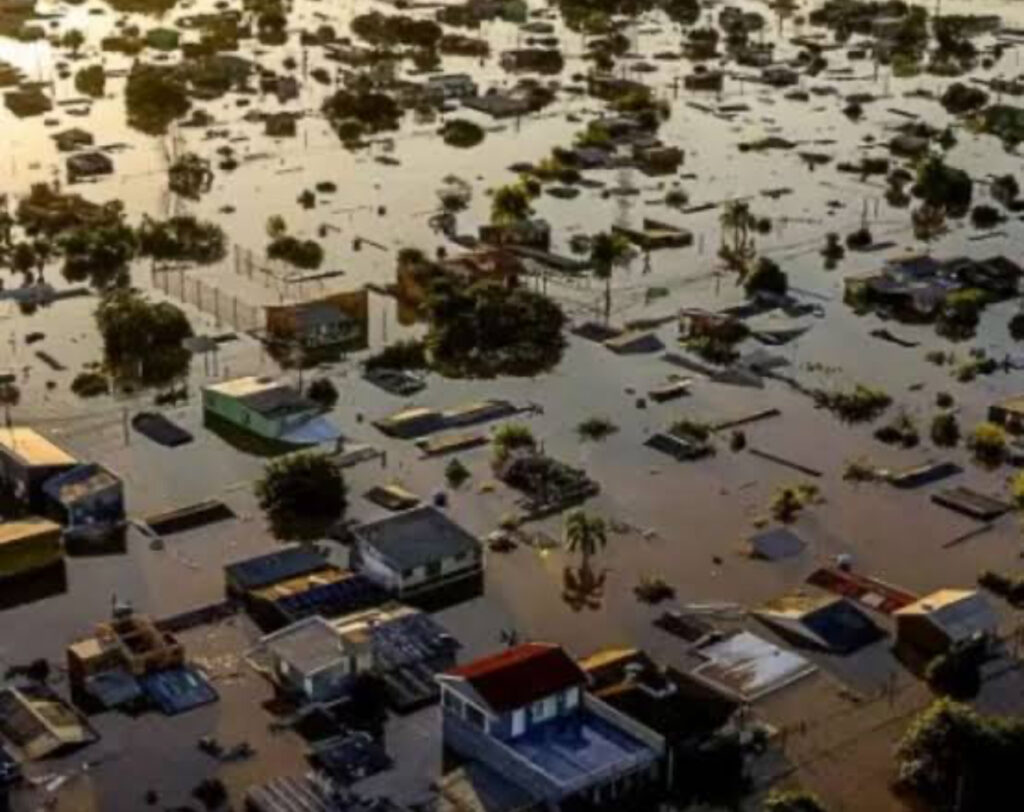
88 500
27 460
329 592
336 320
534 233
28 546
779 76
39 724
1008 413
420 556
314 660
936 622
408 648
658 160
449 86
270 409
525 714
685 711
72 138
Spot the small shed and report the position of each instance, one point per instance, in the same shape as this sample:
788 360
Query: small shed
944 618
28 545
314 660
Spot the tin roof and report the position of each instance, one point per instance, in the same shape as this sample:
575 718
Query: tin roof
32 449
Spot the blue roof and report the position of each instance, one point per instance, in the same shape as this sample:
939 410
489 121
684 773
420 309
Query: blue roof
264 570
573 750
178 690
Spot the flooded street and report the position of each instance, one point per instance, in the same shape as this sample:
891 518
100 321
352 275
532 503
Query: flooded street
684 522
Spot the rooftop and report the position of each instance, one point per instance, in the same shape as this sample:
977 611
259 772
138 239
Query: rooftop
32 449
521 675
417 537
959 612
308 646
275 567
264 395
25 529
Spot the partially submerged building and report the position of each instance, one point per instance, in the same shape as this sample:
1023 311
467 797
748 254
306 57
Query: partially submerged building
27 461
268 408
28 546
39 724
822 621
88 500
943 619
421 557
525 713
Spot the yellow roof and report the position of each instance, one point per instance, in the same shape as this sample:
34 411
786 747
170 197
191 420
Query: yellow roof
936 600
1012 404
27 528
32 448
240 387
606 657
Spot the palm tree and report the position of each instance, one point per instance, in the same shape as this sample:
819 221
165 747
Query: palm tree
511 204
739 252
585 534
607 251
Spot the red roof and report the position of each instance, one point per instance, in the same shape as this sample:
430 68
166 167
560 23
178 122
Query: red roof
521 675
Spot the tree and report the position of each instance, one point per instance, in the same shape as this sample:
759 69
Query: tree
945 430
607 252
738 250
142 340
584 534
767 277
952 752
792 801
322 392
512 203
276 227
302 494
73 40
511 437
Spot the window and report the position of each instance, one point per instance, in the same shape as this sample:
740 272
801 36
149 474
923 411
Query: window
544 709
572 697
518 722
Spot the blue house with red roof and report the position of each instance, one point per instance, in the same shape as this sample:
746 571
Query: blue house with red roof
525 713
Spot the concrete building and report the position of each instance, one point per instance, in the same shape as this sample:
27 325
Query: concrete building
27 461
420 556
267 408
27 546
525 714
942 619
314 660
88 500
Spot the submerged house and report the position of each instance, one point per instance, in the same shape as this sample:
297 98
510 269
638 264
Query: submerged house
943 619
28 546
421 557
525 713
87 499
27 461
269 409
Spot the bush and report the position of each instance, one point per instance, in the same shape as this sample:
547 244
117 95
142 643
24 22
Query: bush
859 239
182 239
302 494
789 502
957 673
901 431
455 473
511 437
322 392
91 81
461 133
306 254
945 431
596 429
988 443
402 355
1008 587
90 384
862 404
792 801
767 277
985 216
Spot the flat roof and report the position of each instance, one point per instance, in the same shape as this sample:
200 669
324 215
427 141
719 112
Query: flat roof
32 449
308 646
264 395
27 528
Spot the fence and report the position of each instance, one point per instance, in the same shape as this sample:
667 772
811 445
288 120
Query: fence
225 308
287 283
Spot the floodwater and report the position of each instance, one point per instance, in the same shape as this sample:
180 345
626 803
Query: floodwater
695 515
